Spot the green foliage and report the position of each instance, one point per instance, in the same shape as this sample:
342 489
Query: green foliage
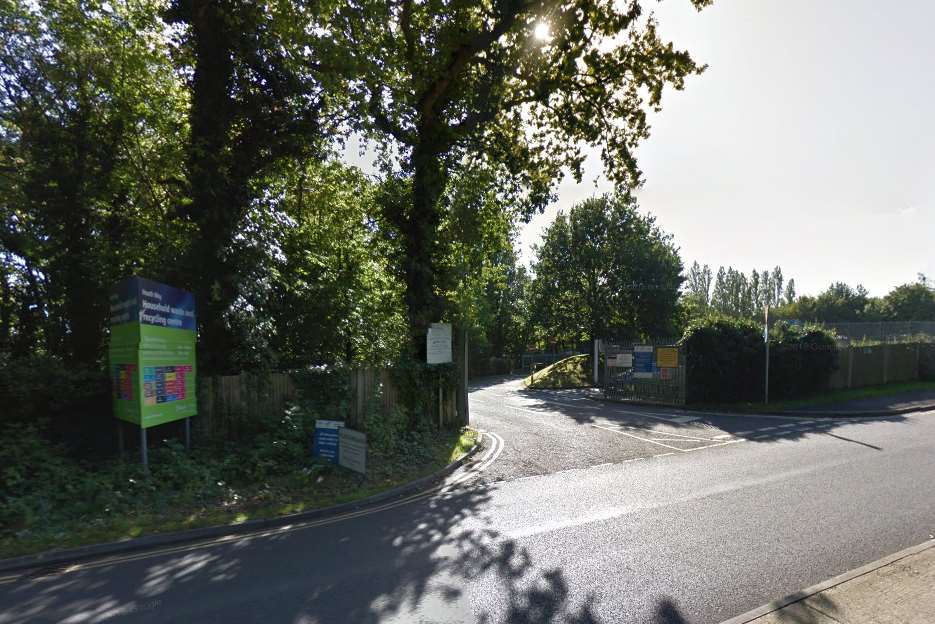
572 372
801 360
34 388
839 302
732 293
90 122
911 302
446 88
724 360
604 269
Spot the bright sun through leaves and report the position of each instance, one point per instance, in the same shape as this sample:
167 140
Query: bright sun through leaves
542 32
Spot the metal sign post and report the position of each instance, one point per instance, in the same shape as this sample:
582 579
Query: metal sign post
766 342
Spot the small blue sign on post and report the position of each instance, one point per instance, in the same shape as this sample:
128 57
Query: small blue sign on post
325 442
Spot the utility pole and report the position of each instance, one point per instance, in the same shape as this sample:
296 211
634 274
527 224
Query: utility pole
766 342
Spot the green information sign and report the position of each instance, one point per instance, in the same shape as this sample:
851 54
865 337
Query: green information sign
152 352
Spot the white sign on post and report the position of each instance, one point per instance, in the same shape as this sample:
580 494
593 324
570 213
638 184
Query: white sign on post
438 344
352 450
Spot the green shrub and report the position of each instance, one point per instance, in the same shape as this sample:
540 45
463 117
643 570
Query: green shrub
801 360
37 386
724 360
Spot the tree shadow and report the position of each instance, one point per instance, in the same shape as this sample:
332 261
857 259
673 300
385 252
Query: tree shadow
409 563
766 428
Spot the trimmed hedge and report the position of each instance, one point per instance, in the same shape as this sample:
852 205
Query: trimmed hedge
725 357
801 360
723 360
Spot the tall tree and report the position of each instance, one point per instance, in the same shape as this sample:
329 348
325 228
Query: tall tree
789 295
698 285
90 113
258 95
910 302
519 87
606 270
777 286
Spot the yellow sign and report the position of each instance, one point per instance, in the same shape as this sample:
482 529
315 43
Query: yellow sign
667 357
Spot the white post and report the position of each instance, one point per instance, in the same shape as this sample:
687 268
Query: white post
597 342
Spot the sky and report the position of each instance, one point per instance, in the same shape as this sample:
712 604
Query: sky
809 142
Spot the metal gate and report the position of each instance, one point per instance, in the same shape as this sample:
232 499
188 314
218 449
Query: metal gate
650 371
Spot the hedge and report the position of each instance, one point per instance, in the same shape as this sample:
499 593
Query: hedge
725 360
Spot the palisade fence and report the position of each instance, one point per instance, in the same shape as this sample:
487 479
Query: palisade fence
649 371
857 365
229 404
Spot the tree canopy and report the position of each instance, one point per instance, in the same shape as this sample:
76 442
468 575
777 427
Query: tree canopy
605 270
517 88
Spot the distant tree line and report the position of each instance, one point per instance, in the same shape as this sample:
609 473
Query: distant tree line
734 294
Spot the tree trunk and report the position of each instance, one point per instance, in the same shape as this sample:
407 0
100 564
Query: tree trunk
215 205
420 233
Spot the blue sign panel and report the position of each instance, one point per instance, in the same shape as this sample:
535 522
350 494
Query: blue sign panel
138 300
325 442
643 360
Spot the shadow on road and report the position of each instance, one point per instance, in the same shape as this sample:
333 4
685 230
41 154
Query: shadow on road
574 406
431 561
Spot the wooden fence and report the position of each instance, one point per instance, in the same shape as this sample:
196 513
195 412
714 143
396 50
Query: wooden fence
229 405
373 388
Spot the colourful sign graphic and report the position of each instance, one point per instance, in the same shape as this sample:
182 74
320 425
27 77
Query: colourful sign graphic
152 352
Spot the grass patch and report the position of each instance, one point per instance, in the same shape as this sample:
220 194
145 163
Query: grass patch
826 398
572 372
159 506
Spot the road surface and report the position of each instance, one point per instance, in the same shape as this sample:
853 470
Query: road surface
578 511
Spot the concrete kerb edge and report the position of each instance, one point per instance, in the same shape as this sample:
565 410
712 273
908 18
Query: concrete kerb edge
803 594
94 551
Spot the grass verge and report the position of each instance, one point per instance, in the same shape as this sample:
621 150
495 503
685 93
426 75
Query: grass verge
302 490
572 372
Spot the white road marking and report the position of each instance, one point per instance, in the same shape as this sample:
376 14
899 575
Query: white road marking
489 457
663 455
668 446
744 433
721 437
701 448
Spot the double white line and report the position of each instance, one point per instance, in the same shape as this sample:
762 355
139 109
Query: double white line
490 456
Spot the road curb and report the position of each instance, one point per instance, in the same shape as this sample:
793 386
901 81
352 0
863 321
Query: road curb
798 596
58 558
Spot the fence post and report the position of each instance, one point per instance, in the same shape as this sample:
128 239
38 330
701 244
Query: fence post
850 365
918 374
597 343
683 376
886 363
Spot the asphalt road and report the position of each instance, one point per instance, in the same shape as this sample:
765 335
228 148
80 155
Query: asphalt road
582 512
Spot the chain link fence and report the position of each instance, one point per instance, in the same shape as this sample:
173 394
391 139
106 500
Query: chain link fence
886 332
